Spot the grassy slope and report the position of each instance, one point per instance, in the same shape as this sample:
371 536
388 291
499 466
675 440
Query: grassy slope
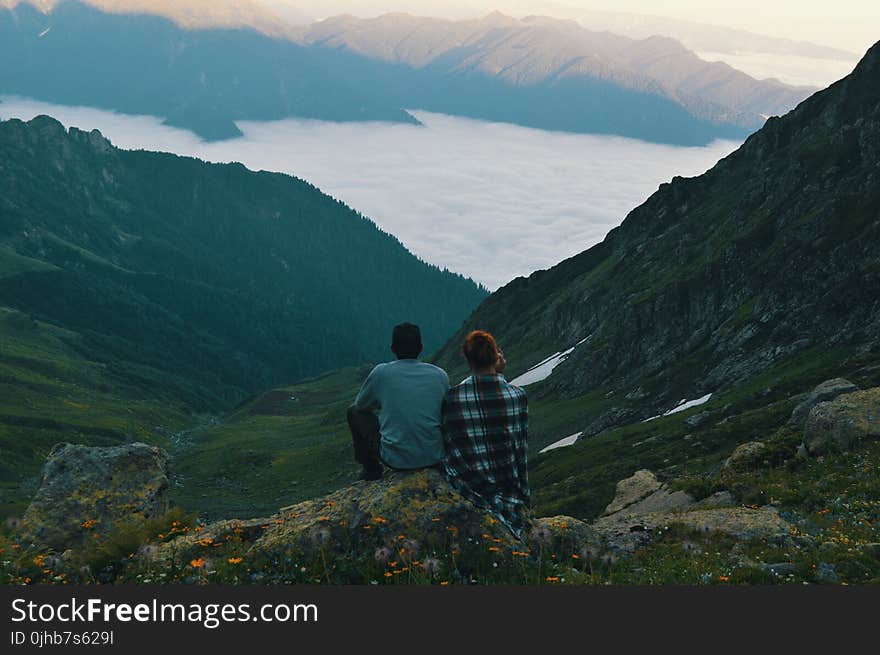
276 450
292 443
580 479
49 393
288 445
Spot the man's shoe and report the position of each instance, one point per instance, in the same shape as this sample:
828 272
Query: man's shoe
371 475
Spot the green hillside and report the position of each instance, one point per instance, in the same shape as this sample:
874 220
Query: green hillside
150 290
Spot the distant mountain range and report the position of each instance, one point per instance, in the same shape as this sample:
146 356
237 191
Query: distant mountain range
209 281
550 53
538 72
192 14
694 35
203 80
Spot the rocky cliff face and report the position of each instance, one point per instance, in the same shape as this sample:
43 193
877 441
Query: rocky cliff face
717 278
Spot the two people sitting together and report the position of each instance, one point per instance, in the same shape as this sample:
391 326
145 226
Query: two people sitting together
407 417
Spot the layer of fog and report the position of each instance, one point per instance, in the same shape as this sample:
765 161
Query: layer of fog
492 201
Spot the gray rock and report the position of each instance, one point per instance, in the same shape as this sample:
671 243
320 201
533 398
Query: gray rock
90 490
841 422
661 500
743 454
633 489
420 504
828 390
625 531
718 499
697 420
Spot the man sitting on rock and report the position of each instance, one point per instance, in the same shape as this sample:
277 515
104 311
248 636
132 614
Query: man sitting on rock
395 418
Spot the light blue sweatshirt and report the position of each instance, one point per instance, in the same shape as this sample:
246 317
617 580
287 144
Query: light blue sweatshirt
407 395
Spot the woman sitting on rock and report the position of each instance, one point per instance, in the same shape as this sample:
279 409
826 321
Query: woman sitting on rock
485 431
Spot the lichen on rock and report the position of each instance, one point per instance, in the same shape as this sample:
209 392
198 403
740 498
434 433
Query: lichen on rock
87 491
839 423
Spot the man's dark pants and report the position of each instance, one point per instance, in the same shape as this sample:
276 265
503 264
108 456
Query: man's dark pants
365 437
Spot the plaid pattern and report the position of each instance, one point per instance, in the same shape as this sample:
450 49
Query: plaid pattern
485 429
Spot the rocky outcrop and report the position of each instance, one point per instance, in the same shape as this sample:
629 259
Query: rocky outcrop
418 511
643 506
828 390
839 423
87 491
627 531
642 493
639 485
743 454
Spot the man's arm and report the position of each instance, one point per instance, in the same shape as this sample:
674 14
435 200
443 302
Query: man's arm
367 399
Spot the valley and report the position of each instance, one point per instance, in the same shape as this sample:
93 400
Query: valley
429 184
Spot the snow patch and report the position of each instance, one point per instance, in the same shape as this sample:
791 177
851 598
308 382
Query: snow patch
682 406
568 441
542 370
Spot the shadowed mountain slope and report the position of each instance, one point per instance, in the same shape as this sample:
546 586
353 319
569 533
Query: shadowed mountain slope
715 279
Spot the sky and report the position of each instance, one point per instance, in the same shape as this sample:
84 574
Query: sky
852 25
540 196
847 24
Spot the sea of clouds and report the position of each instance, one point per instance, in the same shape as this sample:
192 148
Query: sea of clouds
489 200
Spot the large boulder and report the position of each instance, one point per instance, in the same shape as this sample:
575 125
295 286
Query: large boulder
642 493
87 491
828 390
626 531
639 485
744 454
419 512
643 507
839 423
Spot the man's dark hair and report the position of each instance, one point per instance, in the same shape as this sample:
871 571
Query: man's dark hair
406 341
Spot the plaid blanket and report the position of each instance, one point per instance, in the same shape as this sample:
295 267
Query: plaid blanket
485 432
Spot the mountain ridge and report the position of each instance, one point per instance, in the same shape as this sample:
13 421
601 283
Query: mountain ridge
717 277
541 49
540 73
162 235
